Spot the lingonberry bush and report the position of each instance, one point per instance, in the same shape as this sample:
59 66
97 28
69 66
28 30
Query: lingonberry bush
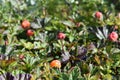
59 40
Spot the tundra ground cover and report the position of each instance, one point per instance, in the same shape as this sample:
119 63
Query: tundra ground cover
59 40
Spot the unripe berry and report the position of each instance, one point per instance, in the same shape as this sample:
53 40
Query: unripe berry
21 56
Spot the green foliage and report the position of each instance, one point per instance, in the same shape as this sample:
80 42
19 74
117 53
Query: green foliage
86 53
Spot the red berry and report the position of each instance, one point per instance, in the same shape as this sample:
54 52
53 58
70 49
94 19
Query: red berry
61 35
115 27
6 42
30 32
98 15
55 64
78 24
113 36
25 24
21 56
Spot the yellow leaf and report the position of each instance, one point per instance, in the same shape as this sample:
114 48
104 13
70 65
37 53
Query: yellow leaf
97 59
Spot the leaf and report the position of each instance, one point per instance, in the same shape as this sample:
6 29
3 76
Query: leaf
115 50
23 76
6 63
71 38
76 73
49 28
9 50
35 25
32 2
3 56
37 45
105 31
98 36
6 32
81 52
65 76
108 77
65 56
100 33
67 67
70 77
39 23
41 36
29 45
93 31
91 46
91 67
97 59
9 76
2 77
84 68
95 77
47 19
68 23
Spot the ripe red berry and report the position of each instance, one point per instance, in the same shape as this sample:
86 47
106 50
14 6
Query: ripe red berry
55 64
25 24
61 35
30 32
98 15
113 36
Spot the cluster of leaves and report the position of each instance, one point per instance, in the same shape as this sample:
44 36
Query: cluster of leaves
86 53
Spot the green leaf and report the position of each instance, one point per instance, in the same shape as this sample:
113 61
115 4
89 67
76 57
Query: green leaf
115 50
100 33
29 45
95 77
105 31
71 38
35 25
108 77
68 23
47 19
70 77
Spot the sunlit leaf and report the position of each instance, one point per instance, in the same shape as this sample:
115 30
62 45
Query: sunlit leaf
97 59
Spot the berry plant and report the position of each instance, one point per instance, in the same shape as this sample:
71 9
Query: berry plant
59 40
